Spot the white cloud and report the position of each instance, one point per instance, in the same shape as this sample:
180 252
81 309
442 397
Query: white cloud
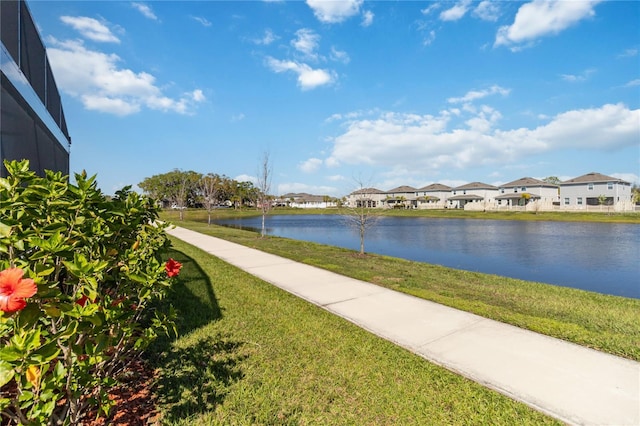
203 21
367 18
246 178
487 10
432 7
198 96
339 56
97 80
306 42
311 165
336 178
308 78
429 39
456 12
90 28
145 10
332 12
268 38
432 143
628 53
543 17
633 83
479 94
573 78
237 117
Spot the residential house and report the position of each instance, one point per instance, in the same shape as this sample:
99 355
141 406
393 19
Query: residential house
307 201
527 193
366 197
401 197
595 190
473 196
433 196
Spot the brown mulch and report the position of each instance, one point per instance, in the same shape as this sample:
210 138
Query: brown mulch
135 404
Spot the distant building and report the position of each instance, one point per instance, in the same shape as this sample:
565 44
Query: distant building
306 201
433 196
366 197
401 197
595 189
32 122
473 196
526 191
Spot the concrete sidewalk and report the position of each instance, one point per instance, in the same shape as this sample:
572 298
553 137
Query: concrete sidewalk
572 383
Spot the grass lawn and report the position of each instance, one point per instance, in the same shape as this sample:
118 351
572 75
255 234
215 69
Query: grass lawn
600 217
607 323
250 353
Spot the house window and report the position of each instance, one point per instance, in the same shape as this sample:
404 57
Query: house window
454 192
502 190
524 188
566 201
610 185
464 192
590 187
579 201
515 189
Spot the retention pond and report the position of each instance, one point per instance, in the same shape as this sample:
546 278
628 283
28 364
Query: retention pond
591 256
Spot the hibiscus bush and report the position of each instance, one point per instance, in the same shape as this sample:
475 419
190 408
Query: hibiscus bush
80 275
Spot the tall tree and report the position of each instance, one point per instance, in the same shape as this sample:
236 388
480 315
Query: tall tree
265 171
178 187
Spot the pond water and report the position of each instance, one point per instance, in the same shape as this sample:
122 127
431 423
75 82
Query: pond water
590 256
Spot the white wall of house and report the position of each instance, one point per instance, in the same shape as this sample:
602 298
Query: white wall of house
584 196
440 203
486 202
375 199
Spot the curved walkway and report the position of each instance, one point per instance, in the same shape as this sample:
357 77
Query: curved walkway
572 383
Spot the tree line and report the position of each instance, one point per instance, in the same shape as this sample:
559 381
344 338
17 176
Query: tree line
182 189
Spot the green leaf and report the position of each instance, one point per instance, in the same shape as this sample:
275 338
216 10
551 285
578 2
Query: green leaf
6 373
10 354
46 353
5 230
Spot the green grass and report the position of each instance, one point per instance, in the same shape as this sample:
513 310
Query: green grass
249 353
602 217
606 323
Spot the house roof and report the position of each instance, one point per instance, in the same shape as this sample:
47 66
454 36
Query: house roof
527 181
466 197
401 189
435 187
592 178
367 191
475 185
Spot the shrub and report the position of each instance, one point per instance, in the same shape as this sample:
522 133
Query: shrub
79 278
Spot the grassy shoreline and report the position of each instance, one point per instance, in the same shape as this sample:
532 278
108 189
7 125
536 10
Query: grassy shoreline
251 353
606 323
596 217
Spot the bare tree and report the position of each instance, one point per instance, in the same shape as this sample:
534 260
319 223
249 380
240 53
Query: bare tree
211 188
362 215
264 186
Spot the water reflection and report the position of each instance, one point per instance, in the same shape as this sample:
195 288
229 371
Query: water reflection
591 256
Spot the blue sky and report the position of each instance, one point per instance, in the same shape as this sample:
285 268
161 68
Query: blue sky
339 93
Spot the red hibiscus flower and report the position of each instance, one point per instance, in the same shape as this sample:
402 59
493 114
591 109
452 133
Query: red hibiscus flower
172 267
82 301
14 289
